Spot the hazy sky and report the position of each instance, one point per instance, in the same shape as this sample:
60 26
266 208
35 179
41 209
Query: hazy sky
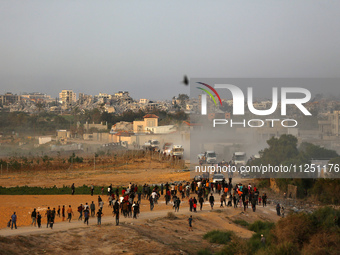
145 47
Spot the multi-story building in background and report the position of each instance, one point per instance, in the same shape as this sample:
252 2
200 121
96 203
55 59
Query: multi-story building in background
102 97
9 98
67 96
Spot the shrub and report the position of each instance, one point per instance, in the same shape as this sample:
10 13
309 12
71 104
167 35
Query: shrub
204 252
323 243
286 248
217 236
295 228
326 218
236 247
241 222
261 226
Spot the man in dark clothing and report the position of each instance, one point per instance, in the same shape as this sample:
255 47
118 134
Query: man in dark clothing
34 217
14 220
93 209
177 202
80 210
211 201
73 189
48 215
190 223
278 209
99 217
191 204
39 220
86 216
201 201
253 203
52 217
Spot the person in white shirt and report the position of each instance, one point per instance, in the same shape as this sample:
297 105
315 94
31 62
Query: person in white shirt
86 207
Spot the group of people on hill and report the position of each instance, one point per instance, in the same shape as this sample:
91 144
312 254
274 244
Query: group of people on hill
245 195
229 194
127 201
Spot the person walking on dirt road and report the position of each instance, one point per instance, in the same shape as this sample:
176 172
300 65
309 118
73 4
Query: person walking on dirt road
211 201
14 220
34 217
69 213
190 223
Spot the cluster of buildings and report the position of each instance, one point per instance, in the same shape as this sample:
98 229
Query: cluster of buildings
68 99
130 134
324 131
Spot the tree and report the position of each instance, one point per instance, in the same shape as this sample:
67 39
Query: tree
280 150
316 152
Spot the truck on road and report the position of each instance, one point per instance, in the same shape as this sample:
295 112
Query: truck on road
177 151
210 157
240 158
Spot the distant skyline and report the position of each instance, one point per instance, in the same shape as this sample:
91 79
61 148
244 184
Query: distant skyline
147 47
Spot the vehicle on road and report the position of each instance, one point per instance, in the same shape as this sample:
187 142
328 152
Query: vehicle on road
210 157
240 158
177 151
218 177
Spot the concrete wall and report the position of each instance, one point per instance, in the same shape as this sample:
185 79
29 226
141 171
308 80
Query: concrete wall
44 139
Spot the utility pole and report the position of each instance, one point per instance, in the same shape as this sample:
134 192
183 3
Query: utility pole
94 162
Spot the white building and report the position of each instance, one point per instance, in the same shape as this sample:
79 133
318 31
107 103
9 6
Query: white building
143 101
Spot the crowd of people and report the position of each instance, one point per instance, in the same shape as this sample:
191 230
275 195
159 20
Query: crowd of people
126 201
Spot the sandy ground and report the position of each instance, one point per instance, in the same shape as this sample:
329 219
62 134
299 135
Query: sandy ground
139 172
152 233
24 205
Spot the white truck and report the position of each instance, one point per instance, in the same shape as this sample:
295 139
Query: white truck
177 151
218 177
210 157
240 158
